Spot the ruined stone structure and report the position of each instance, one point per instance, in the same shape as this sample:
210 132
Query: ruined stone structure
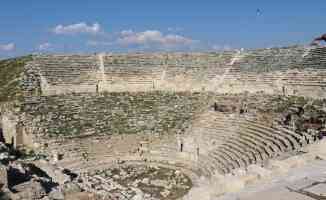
207 114
274 71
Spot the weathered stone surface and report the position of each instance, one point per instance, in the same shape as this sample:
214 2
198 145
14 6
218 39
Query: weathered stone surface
71 188
29 190
56 194
117 113
4 153
3 177
213 114
137 182
270 68
319 189
54 172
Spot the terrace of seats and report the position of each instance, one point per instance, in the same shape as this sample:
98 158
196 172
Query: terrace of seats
269 69
233 142
111 113
80 154
65 69
198 67
315 59
131 71
214 142
273 59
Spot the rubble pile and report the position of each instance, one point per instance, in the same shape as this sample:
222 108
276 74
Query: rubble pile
21 179
137 182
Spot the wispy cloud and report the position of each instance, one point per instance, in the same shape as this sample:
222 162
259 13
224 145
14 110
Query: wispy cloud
99 43
77 28
221 47
152 37
175 29
7 47
44 46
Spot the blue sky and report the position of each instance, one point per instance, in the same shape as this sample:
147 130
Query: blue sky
71 26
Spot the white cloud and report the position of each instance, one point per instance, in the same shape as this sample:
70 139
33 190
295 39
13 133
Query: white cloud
98 43
77 28
221 47
153 37
44 46
7 47
175 29
126 32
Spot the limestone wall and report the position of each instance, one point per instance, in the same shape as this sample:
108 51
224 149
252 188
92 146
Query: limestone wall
13 127
291 70
9 123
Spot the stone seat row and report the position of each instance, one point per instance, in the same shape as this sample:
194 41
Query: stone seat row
66 59
45 63
65 73
70 81
304 80
56 81
229 160
241 152
313 58
235 152
274 143
135 75
59 66
287 138
133 67
49 64
305 76
255 142
65 70
79 164
251 142
162 154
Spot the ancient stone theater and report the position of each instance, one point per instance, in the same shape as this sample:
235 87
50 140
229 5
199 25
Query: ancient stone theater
197 126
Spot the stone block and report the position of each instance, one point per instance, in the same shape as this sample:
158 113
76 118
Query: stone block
3 177
319 189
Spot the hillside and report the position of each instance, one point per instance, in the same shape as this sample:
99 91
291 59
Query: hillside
10 75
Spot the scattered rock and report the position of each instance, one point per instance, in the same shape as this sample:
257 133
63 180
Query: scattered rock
29 190
55 173
137 182
5 194
145 180
56 194
71 187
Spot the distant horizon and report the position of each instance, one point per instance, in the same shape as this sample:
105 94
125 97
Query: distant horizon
155 52
73 27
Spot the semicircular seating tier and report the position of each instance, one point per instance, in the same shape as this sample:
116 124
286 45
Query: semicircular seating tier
231 142
294 69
